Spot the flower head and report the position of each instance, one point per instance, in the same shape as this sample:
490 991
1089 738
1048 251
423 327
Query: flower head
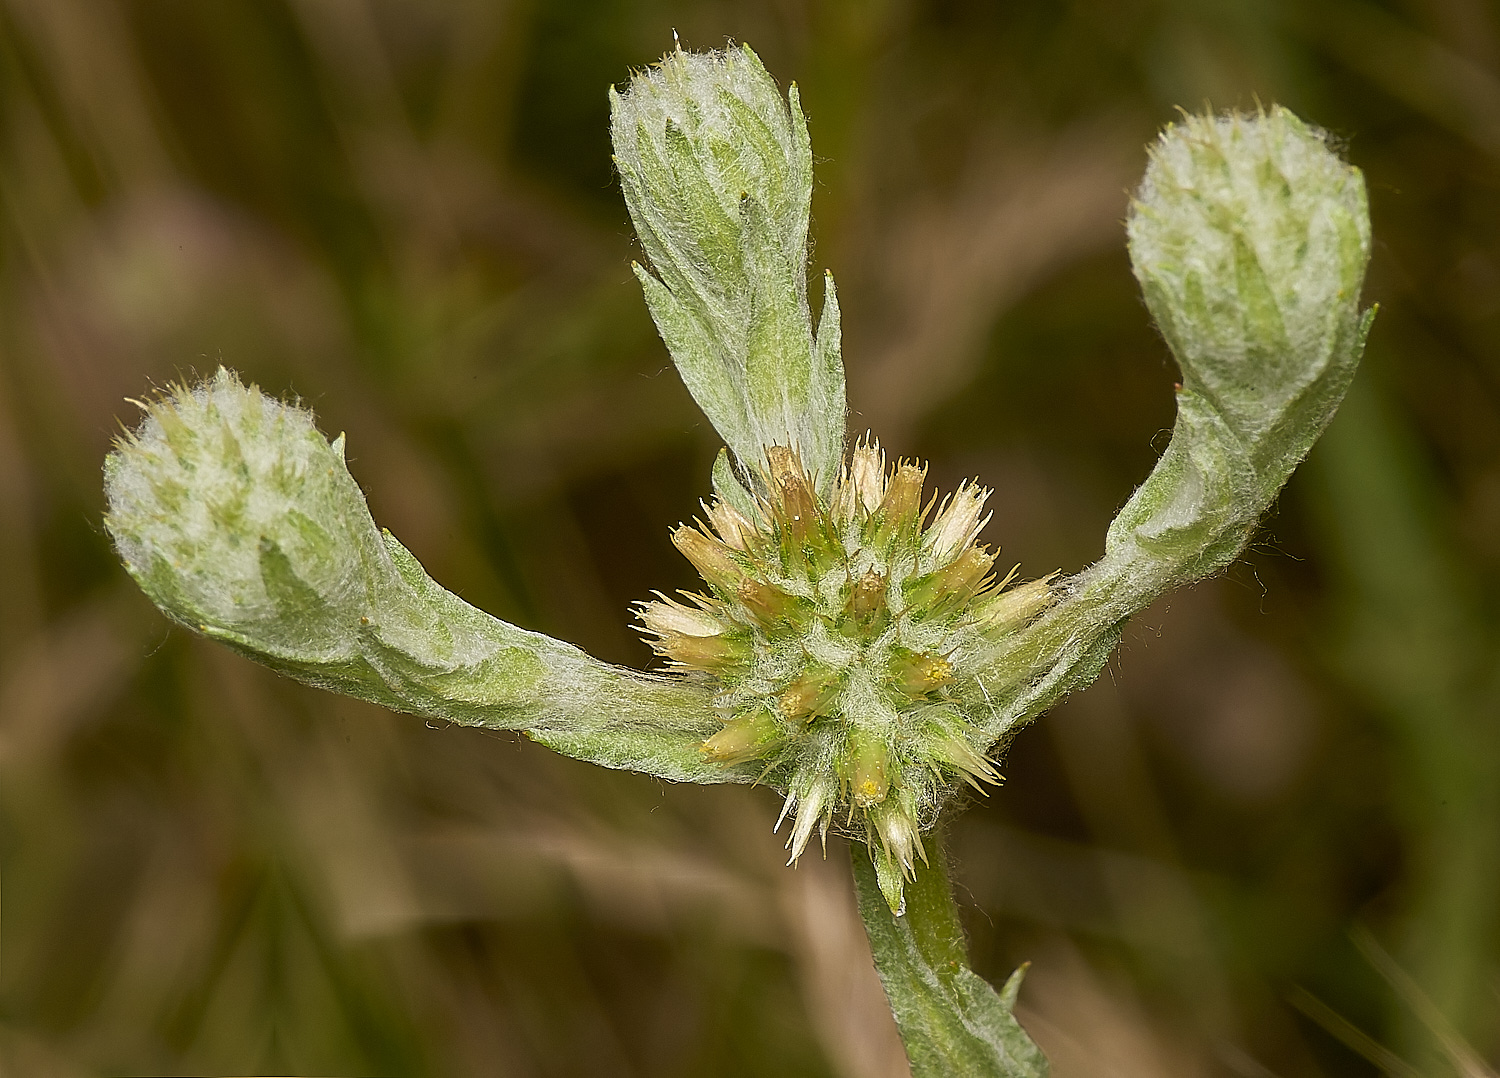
842 632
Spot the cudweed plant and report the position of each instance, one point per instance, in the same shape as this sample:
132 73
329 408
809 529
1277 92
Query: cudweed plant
853 646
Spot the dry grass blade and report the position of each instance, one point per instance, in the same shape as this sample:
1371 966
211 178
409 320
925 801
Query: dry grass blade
1351 1036
1464 1059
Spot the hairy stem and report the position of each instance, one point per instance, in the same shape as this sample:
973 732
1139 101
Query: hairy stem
951 1021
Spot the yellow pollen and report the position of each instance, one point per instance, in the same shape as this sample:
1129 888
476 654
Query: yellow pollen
798 703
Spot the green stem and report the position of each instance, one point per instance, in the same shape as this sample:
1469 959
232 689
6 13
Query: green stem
951 1020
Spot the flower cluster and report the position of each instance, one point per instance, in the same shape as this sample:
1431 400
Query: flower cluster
838 630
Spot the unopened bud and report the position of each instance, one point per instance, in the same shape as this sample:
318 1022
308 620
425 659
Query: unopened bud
896 825
765 602
744 737
716 168
733 528
710 653
809 695
664 615
903 496
868 769
866 604
919 673
1249 237
1008 610
238 517
710 557
948 743
957 525
867 474
812 795
952 585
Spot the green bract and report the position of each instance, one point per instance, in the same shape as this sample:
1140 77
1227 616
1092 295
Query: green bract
853 648
241 522
717 173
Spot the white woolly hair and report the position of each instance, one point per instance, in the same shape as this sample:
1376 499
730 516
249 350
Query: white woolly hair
216 479
693 91
1252 221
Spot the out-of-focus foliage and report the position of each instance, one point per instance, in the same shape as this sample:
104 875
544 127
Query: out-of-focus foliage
405 212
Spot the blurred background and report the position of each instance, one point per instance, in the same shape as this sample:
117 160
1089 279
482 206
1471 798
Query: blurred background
1266 843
